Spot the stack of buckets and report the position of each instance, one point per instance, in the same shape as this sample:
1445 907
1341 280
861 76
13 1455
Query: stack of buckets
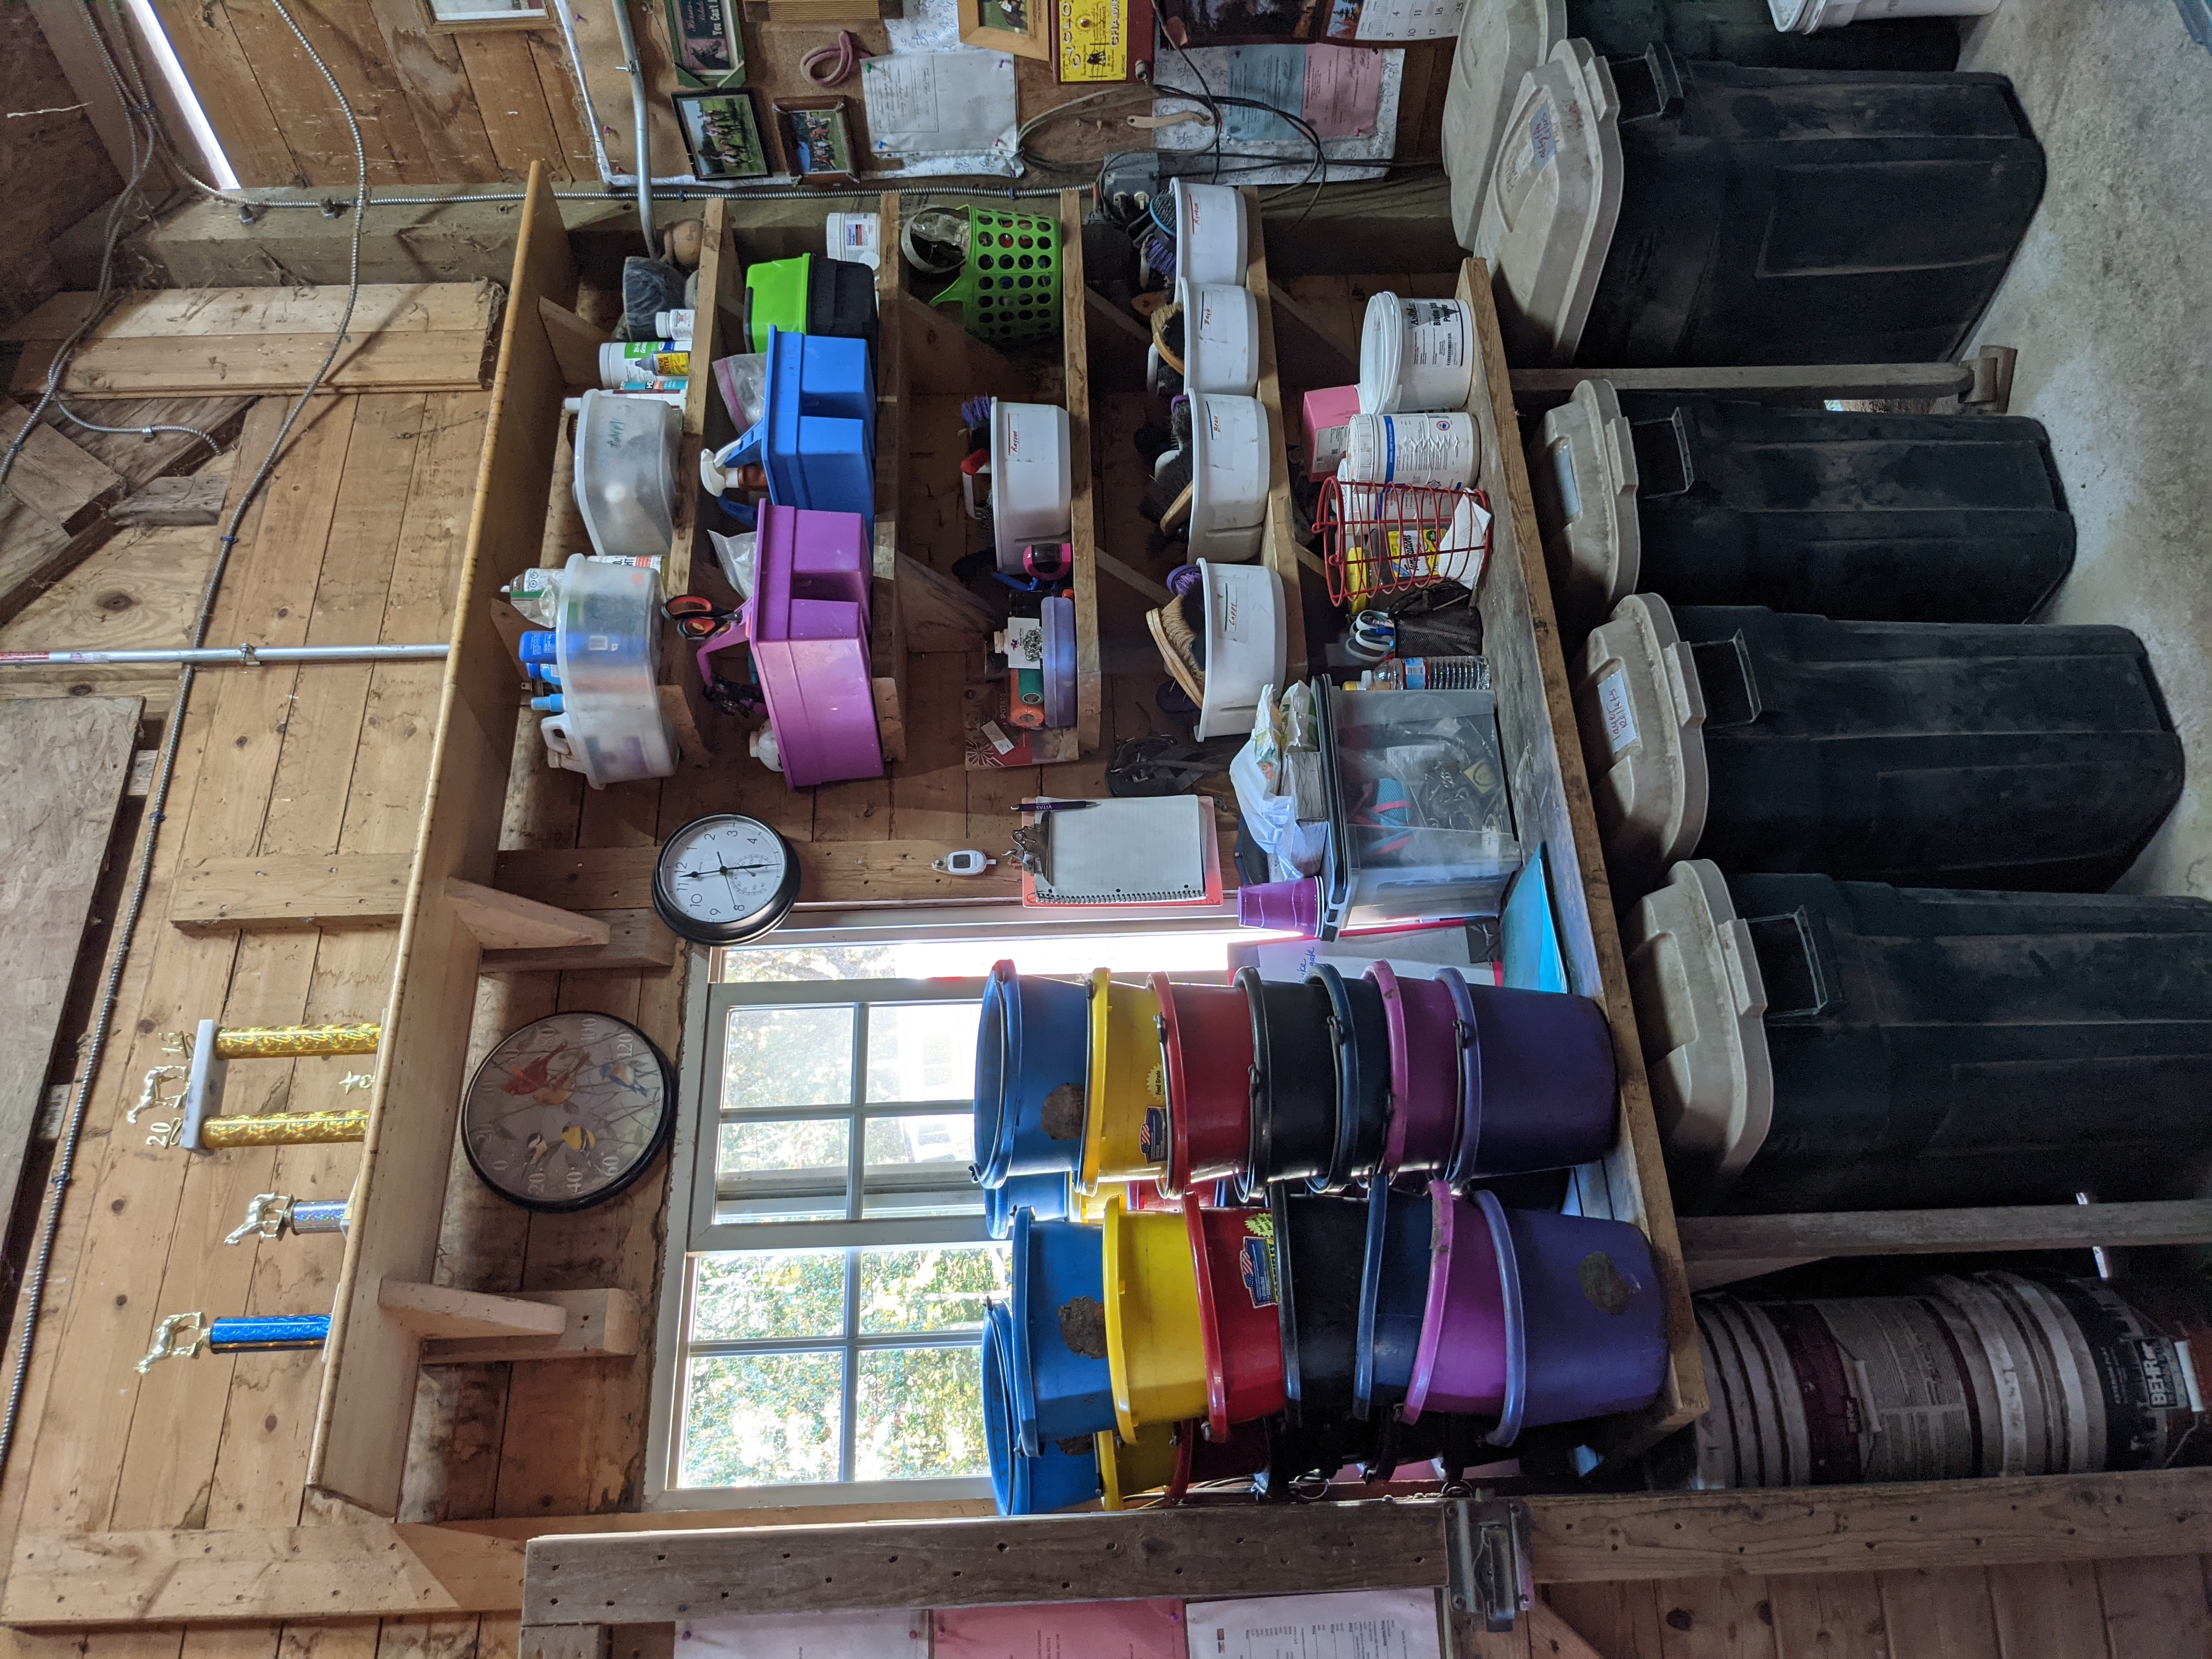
1250 1236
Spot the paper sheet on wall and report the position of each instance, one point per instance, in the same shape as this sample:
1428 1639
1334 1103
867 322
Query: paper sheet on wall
1345 1625
1349 94
1062 1630
940 103
805 1635
1394 20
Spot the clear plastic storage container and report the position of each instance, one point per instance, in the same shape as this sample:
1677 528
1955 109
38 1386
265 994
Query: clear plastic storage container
606 643
1420 819
625 479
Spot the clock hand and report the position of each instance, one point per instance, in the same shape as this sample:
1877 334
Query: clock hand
720 870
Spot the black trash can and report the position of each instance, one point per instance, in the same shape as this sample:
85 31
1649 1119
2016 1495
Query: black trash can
1658 212
1928 754
1501 40
1855 516
1824 1045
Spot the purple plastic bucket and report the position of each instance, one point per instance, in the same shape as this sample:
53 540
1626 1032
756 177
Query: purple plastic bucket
1465 1361
1596 1325
1543 1089
1424 1072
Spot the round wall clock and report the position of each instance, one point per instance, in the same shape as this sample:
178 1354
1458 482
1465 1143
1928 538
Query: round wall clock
569 1111
725 879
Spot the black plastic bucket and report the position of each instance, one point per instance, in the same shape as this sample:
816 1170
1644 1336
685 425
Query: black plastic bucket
1362 1033
1320 1242
1293 1083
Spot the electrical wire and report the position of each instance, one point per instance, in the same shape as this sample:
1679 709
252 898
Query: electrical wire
126 929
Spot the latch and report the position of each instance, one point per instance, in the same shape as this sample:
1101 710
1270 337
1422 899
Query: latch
1487 1548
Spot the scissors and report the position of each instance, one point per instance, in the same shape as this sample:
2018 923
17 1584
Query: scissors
714 629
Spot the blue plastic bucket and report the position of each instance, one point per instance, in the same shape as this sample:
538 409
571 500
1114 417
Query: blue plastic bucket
1032 1062
1394 1290
1044 1196
1592 1319
1061 1389
1058 1480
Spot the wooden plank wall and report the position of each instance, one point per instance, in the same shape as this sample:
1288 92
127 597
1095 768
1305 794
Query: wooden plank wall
53 169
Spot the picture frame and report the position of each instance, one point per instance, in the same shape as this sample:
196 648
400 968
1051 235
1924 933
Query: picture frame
721 129
1023 27
817 135
707 42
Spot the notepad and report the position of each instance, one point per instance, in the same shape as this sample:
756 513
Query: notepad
1146 851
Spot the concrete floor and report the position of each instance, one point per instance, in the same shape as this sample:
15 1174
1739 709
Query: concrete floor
2110 306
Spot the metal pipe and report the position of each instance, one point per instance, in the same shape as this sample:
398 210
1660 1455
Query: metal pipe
583 90
637 110
235 655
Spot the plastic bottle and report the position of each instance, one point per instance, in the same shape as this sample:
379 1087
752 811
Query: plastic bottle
675 325
1426 674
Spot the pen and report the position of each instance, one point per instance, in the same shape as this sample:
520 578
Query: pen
1051 805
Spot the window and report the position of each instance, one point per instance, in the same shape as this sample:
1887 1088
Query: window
825 1303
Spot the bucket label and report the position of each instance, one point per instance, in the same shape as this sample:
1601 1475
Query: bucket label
2164 1388
1152 1138
1256 1261
1613 704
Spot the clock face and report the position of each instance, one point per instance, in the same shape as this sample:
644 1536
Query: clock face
725 878
567 1111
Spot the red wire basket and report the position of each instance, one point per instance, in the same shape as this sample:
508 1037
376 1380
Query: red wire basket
1380 540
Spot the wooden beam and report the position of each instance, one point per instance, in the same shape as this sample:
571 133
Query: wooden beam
360 1571
636 939
575 343
52 476
943 358
195 498
599 1323
440 1311
1537 389
565 1642
1133 579
1102 306
509 921
290 892
1719 1249
1287 304
936 612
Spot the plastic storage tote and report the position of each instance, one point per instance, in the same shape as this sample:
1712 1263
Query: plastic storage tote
1420 825
606 643
1501 40
817 439
1931 754
1859 517
808 293
1654 212
1824 1045
625 475
808 622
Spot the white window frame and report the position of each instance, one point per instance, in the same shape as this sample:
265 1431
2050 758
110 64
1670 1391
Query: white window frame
692 1232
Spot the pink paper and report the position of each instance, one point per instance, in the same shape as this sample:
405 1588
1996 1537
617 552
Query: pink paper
1062 1630
1343 91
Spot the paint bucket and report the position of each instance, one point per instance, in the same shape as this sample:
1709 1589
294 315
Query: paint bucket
1293 1083
1064 1474
1435 450
1811 16
1469 1354
1211 235
1886 1392
1547 1089
1126 1136
1155 1345
1361 1032
1394 1293
2146 1346
1032 1055
2014 1406
1205 1039
1425 1036
1127 1468
1595 1319
1234 1251
1415 355
1320 1242
1062 1385
1045 1196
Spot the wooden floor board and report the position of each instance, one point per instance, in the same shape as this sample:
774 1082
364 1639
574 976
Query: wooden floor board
2051 1611
1942 1612
1620 1621
1715 1619
2155 1607
1828 1616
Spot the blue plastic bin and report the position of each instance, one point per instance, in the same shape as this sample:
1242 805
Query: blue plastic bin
1059 1479
1059 1391
1032 1066
817 441
1045 1196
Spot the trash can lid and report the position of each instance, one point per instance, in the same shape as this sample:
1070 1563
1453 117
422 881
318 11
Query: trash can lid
1582 471
1699 1001
1499 41
1553 197
1642 712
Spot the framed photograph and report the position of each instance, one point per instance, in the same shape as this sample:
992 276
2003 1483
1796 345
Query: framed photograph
1021 27
454 16
818 139
709 48
722 131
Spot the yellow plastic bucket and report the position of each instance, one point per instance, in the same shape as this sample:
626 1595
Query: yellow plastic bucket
1092 1206
1155 1349
1127 1119
1127 1468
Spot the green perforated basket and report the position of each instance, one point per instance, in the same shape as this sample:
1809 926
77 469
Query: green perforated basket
1009 291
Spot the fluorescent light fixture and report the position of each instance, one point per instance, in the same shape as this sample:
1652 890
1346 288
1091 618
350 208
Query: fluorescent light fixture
180 89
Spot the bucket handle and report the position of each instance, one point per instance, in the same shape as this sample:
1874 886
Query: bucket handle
977 464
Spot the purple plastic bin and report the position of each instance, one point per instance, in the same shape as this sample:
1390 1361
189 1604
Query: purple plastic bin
1282 907
1424 1072
809 626
1595 1323
1466 1358
1543 1091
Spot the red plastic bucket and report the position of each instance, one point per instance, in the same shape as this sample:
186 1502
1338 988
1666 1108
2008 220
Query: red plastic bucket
1463 1364
1424 1072
1206 1033
1238 1282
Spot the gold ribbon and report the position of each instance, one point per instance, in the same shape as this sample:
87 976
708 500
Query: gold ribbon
283 1042
284 1129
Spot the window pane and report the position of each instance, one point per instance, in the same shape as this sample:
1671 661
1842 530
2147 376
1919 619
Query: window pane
922 1050
763 1419
776 1057
936 1141
938 1287
761 964
919 1415
782 1169
767 1293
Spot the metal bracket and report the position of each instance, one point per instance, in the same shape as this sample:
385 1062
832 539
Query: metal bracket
1486 1552
178 1336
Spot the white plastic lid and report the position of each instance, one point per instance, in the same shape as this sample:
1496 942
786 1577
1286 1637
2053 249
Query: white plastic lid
1582 471
1499 41
1699 1002
1553 199
1641 713
1247 640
